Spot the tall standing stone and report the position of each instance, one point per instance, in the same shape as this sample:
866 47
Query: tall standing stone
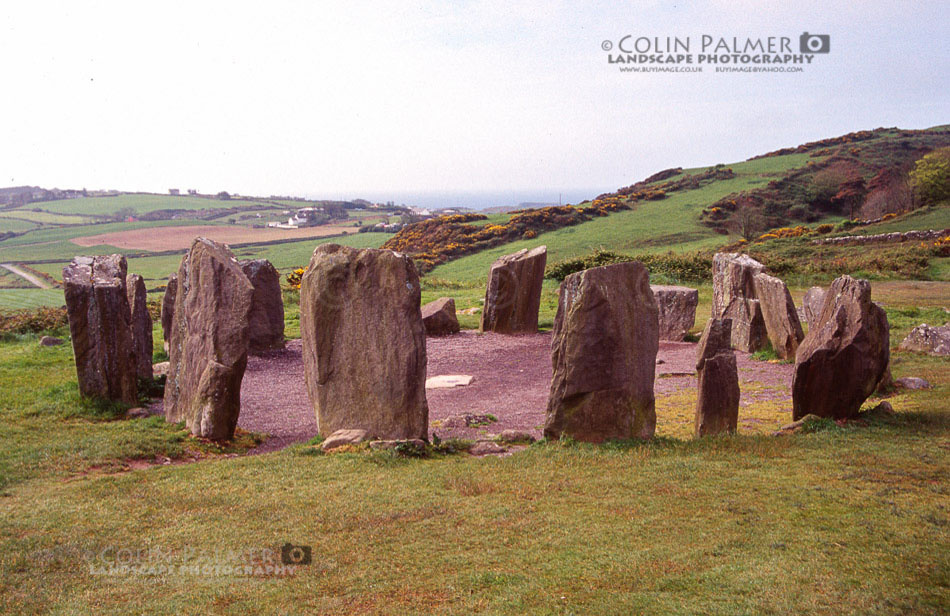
717 404
513 296
606 336
811 305
677 306
780 315
748 325
267 306
734 298
97 308
168 308
209 341
141 325
844 357
364 345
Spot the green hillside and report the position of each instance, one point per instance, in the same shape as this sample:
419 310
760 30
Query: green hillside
141 203
784 186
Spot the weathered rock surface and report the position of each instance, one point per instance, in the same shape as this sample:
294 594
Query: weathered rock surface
926 339
486 448
844 357
811 305
748 324
912 382
448 381
782 326
606 337
364 347
733 276
209 341
439 317
343 437
267 306
515 436
141 325
160 369
513 296
734 298
717 404
168 308
97 308
677 310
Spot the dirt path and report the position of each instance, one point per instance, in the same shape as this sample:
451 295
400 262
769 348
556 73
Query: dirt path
512 375
26 275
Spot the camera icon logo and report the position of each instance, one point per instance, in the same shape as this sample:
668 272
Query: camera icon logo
295 554
814 43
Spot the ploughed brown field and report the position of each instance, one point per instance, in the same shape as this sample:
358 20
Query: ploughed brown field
178 238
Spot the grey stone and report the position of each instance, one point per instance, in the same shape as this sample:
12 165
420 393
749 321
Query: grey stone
677 310
97 308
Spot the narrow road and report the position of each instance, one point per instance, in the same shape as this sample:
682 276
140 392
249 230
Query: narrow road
27 275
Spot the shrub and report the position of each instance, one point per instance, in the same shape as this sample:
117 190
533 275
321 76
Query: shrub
294 278
33 321
695 267
931 176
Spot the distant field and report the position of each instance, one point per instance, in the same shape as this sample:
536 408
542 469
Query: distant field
15 299
15 225
45 217
155 270
141 203
9 280
176 238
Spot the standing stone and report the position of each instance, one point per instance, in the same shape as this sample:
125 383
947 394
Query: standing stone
748 324
513 296
168 308
439 317
717 405
606 336
267 306
677 306
927 339
781 318
97 308
811 305
842 360
734 298
141 325
364 346
733 276
209 341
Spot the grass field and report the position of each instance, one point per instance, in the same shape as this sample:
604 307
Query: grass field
45 217
17 299
9 280
15 225
838 521
141 203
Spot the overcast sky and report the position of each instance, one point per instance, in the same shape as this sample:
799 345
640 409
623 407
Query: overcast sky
324 98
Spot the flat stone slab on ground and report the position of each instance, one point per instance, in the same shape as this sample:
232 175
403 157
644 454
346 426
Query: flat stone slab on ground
446 381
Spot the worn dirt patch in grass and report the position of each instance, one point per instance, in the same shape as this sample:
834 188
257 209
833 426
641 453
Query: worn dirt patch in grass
512 377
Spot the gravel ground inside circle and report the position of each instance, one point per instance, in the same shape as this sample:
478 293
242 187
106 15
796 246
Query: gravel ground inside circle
511 379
